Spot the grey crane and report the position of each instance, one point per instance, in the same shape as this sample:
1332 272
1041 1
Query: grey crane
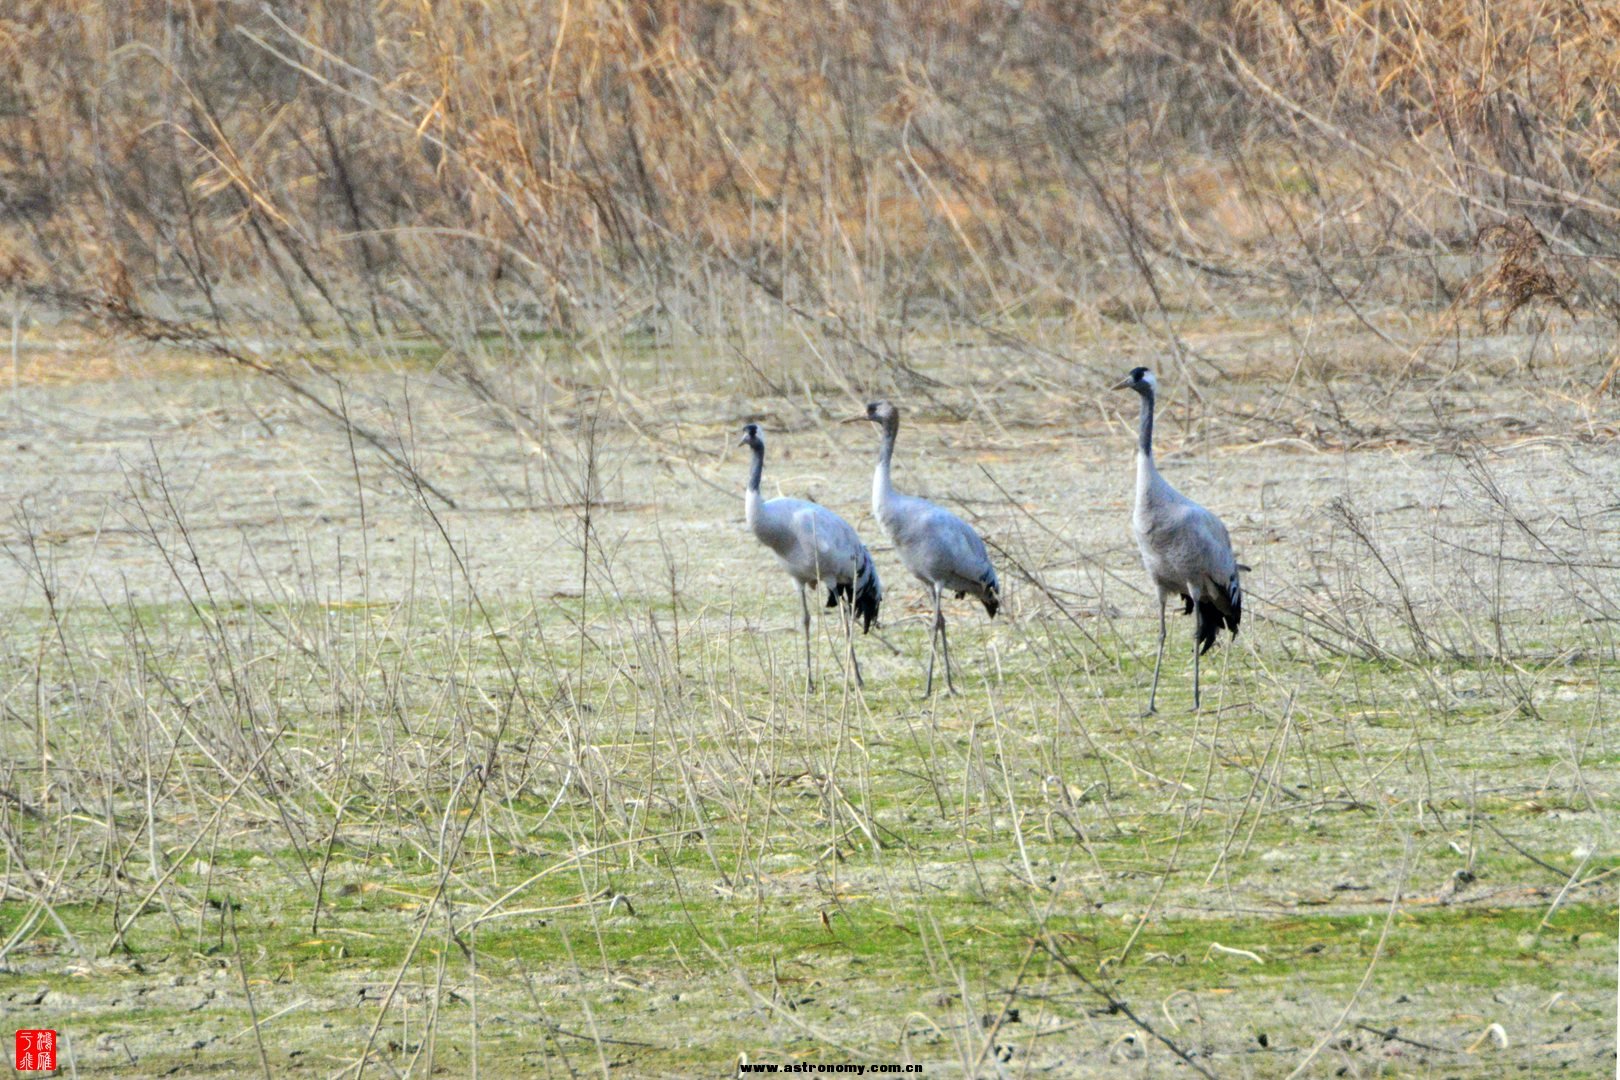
1185 548
817 548
939 548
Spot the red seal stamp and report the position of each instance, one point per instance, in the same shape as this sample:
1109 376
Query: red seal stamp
35 1050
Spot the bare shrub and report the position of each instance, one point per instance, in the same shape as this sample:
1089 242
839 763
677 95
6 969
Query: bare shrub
471 168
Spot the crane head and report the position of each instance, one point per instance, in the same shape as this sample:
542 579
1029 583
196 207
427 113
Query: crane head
1140 379
752 437
878 412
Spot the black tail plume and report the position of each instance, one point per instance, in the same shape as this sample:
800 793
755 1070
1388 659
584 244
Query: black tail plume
868 592
991 596
1209 624
1213 614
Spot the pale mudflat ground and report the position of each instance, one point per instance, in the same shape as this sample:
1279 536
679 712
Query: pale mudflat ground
1350 765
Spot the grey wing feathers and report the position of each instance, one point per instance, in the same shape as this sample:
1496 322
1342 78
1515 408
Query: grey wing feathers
973 564
1215 546
941 548
815 545
1187 550
1185 543
827 546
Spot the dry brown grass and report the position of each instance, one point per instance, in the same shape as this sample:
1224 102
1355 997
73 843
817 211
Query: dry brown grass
850 170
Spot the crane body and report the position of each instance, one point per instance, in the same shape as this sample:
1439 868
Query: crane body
940 549
818 549
1185 548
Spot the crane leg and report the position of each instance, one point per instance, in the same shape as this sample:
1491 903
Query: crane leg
1195 672
933 642
804 602
849 635
945 647
1158 660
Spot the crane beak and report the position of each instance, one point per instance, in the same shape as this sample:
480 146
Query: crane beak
854 419
1123 384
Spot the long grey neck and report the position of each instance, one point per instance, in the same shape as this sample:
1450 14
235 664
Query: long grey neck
757 470
1144 438
886 449
882 486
